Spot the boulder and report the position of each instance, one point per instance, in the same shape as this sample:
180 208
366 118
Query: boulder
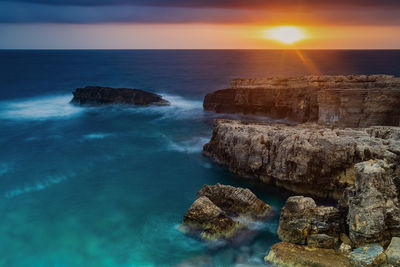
96 95
306 159
207 218
303 222
291 255
346 101
373 204
393 252
235 201
368 256
221 212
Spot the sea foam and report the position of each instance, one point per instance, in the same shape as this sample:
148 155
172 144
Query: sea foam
35 186
39 108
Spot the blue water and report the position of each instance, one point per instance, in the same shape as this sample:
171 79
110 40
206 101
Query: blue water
109 186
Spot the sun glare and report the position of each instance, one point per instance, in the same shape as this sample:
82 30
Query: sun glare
285 34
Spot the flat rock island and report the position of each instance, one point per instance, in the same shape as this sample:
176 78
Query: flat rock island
96 95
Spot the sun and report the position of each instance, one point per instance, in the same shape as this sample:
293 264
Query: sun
285 34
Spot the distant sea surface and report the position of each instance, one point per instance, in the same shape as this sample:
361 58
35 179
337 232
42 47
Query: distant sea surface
108 186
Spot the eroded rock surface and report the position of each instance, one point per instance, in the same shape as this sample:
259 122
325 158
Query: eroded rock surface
305 158
303 222
291 255
347 101
368 256
219 211
373 203
96 95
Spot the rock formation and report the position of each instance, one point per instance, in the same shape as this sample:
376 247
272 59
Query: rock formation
303 222
373 203
305 158
346 101
219 211
96 95
291 255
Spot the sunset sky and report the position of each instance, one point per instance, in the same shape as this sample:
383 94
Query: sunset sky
198 24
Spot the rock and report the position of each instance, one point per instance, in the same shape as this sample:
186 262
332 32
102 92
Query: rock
198 261
346 101
210 220
306 159
393 252
373 204
303 222
369 255
345 248
219 211
235 201
96 95
291 255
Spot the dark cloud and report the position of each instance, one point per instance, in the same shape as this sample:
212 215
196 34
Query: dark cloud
347 12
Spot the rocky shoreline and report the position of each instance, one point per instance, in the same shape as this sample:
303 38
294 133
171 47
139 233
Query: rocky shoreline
347 148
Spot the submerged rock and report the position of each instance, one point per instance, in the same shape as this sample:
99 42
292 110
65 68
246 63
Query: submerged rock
291 255
368 256
219 212
303 222
346 101
307 159
96 95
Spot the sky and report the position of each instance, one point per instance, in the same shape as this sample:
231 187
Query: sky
197 24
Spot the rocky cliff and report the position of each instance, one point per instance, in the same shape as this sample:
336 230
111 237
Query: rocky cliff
96 95
305 158
345 101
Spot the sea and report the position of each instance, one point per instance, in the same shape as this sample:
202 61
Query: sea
108 186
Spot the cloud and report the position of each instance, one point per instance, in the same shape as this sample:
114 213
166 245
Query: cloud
339 12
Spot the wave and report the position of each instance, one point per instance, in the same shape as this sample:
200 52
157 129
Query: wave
36 186
193 145
96 135
39 108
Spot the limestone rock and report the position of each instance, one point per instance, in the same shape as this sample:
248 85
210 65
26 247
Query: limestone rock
393 252
96 95
347 101
234 200
307 159
373 204
369 255
345 248
303 222
291 255
219 211
206 217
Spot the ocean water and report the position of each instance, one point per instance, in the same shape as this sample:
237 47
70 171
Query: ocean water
108 186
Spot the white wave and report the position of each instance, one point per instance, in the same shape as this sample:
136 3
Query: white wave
96 135
193 145
39 108
36 186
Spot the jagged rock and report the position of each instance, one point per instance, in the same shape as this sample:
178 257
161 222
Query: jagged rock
351 101
204 216
369 255
291 255
235 201
393 252
96 95
373 204
219 211
305 158
303 222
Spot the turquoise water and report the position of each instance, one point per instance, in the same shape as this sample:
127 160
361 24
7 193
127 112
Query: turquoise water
109 186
